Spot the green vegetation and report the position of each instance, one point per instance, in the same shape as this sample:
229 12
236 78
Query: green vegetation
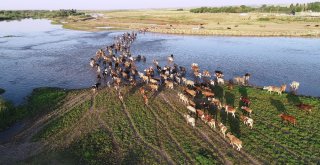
315 7
21 14
100 129
42 100
7 113
96 148
64 121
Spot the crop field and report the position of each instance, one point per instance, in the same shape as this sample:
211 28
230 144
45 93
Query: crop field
99 128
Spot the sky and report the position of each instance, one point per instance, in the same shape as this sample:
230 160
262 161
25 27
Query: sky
130 4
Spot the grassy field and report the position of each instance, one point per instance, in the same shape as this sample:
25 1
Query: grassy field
185 22
98 128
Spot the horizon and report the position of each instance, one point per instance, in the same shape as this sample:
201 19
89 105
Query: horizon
139 4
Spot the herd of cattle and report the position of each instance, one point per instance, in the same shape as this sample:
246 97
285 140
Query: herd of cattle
115 66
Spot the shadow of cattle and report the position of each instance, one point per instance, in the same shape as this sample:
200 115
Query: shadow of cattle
278 104
213 110
230 98
223 116
234 125
293 99
156 93
243 91
135 88
218 91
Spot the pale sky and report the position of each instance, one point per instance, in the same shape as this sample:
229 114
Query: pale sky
130 4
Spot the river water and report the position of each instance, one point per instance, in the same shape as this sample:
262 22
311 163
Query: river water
35 53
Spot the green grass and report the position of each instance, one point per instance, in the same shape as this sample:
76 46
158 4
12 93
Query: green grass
42 100
107 136
64 121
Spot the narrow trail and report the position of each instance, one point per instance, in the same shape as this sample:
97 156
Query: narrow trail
21 146
105 127
223 141
169 133
27 134
53 140
163 154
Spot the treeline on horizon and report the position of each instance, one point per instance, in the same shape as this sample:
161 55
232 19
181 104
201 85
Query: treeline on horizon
315 7
21 14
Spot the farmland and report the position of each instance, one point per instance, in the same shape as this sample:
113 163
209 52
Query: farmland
99 128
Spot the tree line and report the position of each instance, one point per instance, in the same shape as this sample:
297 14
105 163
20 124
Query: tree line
21 14
315 7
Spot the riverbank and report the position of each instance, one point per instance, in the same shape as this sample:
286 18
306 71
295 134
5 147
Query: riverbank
187 23
96 128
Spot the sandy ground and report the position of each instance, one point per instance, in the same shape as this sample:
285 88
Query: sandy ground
184 22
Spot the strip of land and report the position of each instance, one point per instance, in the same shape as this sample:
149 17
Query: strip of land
185 22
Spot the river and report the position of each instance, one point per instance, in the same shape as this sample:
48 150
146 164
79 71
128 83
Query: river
36 53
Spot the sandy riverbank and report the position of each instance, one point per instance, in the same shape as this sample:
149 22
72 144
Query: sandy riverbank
184 22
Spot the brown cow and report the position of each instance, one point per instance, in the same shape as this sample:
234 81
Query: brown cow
145 99
154 87
230 109
142 91
234 141
190 92
305 107
223 129
207 118
207 94
247 109
200 114
290 119
192 103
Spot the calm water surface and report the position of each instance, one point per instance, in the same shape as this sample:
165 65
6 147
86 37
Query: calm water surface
41 54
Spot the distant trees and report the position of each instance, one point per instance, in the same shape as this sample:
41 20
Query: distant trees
20 14
315 6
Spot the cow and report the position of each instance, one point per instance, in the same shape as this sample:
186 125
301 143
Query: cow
212 123
234 141
245 101
216 102
145 99
154 87
200 114
190 120
190 92
278 90
305 107
247 121
247 109
153 81
169 84
207 94
92 62
189 82
294 86
288 118
231 110
183 98
142 91
223 129
191 109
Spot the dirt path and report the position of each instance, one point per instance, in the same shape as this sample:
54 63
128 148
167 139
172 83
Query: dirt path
162 153
21 146
105 127
35 127
169 133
